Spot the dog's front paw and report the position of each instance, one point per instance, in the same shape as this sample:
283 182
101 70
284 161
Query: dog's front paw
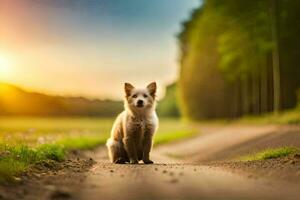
148 161
134 162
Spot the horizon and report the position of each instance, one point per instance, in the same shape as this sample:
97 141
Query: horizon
26 90
90 48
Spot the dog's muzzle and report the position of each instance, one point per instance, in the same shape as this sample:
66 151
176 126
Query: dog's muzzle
140 103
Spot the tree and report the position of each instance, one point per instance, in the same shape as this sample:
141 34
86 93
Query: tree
275 53
237 59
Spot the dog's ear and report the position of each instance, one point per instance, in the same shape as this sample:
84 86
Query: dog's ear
152 89
128 87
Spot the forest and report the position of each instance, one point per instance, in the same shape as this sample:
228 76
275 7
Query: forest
239 58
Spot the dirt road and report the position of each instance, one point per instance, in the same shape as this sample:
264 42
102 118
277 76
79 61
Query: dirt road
172 179
179 176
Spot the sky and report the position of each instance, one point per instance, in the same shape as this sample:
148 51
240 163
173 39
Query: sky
90 47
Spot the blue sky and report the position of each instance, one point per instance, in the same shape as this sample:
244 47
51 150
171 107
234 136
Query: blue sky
91 47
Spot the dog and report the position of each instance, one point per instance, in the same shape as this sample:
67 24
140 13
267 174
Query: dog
132 132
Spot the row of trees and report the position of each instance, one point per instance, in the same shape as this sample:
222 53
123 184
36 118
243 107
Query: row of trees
240 58
16 101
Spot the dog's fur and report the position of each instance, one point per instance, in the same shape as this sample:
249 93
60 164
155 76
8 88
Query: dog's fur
133 130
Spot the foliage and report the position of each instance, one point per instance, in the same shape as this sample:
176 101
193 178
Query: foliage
168 106
229 53
271 153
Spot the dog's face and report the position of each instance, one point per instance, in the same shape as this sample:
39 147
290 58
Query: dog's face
140 98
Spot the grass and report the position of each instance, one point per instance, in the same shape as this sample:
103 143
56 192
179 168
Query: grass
18 158
25 141
271 153
173 136
171 130
287 117
79 133
83 142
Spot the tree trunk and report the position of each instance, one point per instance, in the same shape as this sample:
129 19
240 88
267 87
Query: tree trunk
275 54
237 99
264 89
255 94
246 96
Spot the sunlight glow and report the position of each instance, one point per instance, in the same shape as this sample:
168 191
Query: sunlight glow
5 66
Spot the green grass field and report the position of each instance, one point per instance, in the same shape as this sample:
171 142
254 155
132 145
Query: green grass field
26 141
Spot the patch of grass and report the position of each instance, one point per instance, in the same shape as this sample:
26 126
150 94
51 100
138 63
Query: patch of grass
16 159
83 142
287 117
162 138
50 151
171 130
271 153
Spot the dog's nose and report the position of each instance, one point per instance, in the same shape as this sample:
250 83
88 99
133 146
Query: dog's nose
140 102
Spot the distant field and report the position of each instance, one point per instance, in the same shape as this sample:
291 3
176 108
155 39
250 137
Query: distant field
36 131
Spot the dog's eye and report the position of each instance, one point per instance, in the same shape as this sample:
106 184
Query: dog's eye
145 96
134 96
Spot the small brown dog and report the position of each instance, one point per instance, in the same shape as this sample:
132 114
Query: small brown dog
132 132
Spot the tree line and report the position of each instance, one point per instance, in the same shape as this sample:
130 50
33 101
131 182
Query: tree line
15 101
239 58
